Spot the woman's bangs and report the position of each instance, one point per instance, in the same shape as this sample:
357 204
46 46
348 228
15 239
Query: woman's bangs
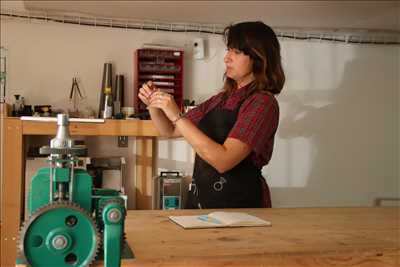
237 40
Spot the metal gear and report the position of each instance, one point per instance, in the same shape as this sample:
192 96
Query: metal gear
117 200
104 203
101 208
58 243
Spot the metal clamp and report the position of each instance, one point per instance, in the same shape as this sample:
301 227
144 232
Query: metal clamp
219 185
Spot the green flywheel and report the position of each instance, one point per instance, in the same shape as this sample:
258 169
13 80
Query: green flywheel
59 234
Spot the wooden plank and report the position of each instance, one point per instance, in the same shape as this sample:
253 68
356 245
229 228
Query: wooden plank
11 204
4 110
108 128
144 172
367 237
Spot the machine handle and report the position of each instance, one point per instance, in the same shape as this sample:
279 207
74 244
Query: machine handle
164 174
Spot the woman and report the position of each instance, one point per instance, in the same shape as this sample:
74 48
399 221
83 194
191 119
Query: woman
233 132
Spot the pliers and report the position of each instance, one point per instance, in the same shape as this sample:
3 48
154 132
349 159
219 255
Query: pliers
74 87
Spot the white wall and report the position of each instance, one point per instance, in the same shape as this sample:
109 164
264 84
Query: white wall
338 131
338 140
325 14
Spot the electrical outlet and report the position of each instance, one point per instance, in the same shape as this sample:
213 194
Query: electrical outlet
123 141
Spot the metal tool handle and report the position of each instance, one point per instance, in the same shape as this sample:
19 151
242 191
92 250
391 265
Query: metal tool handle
164 174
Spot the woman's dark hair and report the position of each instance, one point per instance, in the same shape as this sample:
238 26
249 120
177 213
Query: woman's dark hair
260 43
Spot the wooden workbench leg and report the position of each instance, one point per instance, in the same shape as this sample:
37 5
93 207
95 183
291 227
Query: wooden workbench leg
11 204
144 171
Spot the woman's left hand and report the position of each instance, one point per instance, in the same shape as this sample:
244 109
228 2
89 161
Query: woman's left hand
166 103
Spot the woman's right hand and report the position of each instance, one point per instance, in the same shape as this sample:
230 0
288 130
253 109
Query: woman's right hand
146 91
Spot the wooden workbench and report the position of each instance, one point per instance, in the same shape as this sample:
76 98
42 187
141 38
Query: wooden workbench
13 162
368 237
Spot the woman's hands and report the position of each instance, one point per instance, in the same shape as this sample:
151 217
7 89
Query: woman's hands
146 91
154 98
166 103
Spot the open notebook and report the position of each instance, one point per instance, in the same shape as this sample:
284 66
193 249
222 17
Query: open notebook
219 219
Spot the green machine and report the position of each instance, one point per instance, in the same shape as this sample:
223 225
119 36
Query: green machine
70 223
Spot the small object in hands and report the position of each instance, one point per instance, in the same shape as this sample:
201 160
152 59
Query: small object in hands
152 87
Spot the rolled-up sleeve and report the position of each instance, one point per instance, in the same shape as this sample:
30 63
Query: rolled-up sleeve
257 123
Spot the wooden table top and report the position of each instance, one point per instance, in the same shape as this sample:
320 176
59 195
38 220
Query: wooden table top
298 237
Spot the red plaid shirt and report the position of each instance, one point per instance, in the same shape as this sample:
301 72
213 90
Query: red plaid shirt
256 123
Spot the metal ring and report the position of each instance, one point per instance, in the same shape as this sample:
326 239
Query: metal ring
218 186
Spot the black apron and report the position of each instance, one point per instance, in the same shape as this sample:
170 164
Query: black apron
240 187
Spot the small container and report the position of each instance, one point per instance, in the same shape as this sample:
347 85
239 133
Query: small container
128 111
167 191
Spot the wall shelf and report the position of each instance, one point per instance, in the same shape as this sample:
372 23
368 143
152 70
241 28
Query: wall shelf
162 66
